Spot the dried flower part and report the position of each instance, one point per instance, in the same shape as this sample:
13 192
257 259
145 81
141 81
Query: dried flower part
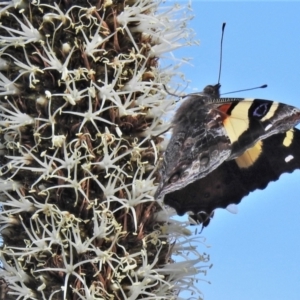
81 110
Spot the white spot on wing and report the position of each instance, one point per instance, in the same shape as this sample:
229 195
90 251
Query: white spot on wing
289 158
268 127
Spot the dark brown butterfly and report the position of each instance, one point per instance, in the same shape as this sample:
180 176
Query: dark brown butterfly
223 148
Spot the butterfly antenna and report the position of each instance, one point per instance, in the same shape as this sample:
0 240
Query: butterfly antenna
221 51
258 87
172 94
168 92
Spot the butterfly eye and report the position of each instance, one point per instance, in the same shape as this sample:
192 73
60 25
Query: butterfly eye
261 109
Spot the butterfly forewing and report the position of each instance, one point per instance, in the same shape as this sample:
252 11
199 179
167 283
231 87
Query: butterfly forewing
247 121
199 144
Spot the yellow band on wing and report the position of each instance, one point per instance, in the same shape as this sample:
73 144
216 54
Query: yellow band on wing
238 121
249 157
289 135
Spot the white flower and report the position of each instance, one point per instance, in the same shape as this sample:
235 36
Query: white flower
156 128
69 268
9 185
4 64
109 91
25 69
110 158
91 115
51 121
91 47
13 118
72 94
18 205
54 63
60 16
72 157
22 163
7 87
27 34
58 140
9 4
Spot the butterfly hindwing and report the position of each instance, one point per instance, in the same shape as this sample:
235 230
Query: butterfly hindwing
231 181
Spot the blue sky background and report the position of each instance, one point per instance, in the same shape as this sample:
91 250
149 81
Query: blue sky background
255 253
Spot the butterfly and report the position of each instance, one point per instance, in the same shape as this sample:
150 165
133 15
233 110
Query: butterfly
221 149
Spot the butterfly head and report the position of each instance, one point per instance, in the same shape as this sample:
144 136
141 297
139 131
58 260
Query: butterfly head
212 91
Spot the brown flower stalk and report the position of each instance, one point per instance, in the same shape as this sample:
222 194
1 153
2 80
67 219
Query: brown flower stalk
81 110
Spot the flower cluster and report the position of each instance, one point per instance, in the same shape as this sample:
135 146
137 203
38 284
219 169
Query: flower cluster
82 108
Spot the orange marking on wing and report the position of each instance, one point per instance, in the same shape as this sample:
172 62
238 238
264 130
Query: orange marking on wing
224 107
